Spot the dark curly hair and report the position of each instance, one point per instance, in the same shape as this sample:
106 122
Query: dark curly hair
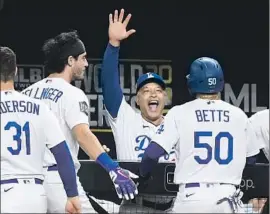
53 50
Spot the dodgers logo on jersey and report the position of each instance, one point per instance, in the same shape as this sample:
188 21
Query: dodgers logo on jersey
143 141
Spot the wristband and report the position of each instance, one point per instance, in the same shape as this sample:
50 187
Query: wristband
106 162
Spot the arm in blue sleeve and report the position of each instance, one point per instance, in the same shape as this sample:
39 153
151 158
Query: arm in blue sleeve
150 158
66 168
106 162
112 92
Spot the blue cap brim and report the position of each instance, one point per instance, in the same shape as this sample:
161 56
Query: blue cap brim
150 80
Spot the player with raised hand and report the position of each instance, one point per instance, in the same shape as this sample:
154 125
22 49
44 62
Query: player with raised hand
65 61
23 143
213 139
133 130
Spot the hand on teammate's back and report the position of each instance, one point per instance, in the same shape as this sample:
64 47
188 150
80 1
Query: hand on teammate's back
73 205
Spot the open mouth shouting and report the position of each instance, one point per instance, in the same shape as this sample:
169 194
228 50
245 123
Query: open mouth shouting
153 104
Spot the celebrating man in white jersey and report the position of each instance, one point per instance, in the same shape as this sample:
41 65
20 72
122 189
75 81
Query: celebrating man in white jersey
212 139
23 142
133 130
65 61
260 124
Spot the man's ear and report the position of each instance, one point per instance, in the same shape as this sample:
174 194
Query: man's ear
16 71
70 61
137 99
165 93
167 97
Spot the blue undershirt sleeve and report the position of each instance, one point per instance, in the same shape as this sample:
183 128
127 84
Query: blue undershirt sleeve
150 158
112 92
66 168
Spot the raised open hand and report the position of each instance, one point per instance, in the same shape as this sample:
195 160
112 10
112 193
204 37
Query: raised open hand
117 27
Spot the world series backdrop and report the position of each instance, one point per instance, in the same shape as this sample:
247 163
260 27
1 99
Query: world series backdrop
170 35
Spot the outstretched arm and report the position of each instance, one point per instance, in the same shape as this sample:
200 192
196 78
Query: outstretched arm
112 92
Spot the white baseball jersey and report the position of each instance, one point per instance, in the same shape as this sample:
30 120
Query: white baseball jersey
212 140
132 134
69 104
260 124
23 136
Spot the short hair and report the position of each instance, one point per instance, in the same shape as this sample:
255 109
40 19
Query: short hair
54 48
7 64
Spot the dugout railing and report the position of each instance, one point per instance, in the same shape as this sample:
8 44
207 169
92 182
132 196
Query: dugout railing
255 181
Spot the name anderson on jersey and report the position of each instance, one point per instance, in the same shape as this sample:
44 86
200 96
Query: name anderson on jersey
11 106
46 93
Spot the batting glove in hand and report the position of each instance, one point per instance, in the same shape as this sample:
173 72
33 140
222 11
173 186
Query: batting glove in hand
123 183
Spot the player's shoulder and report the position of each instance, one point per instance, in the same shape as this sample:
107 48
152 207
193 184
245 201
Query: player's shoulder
234 110
230 106
177 109
194 104
64 86
260 115
74 94
76 91
34 85
70 92
185 106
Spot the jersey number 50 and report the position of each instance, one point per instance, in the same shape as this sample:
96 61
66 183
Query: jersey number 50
199 143
18 137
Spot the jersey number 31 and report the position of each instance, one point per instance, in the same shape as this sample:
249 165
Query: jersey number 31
200 143
18 137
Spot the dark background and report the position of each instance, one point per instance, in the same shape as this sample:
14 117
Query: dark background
235 33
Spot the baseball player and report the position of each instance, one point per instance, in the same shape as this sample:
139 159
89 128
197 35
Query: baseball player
133 130
23 139
212 139
260 124
65 61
